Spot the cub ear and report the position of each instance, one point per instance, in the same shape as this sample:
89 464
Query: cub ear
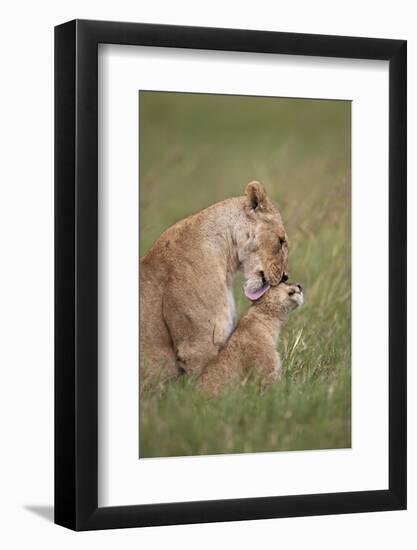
256 195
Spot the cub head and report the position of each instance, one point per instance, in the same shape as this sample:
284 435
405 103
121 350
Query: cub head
287 295
282 299
262 243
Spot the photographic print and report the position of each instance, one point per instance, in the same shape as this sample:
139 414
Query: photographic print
206 195
245 274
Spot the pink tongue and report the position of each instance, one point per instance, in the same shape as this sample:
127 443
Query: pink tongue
255 295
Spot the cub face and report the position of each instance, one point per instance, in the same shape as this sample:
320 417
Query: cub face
286 295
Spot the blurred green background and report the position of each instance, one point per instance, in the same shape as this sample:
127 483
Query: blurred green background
196 149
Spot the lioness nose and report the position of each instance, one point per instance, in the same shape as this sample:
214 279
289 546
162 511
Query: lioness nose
299 286
284 277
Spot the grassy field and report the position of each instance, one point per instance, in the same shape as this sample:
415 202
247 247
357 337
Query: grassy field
198 149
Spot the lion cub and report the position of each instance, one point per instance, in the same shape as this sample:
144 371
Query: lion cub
251 350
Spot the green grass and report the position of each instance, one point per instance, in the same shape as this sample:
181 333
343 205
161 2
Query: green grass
198 149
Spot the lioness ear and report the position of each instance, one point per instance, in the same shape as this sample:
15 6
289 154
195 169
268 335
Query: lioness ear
256 194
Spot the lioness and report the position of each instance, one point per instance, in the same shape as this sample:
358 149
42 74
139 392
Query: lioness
187 307
251 350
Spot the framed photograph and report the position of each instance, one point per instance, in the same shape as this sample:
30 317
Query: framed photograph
230 275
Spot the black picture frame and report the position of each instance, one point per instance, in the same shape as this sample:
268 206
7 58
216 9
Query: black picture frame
76 273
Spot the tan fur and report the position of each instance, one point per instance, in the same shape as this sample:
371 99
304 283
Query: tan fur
251 350
187 308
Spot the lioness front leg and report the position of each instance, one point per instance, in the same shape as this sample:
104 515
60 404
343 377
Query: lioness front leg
195 348
193 355
199 328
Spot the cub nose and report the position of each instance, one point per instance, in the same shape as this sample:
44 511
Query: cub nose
284 277
299 286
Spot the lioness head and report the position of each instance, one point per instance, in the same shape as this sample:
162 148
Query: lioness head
262 243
